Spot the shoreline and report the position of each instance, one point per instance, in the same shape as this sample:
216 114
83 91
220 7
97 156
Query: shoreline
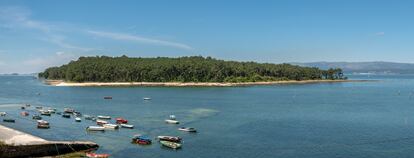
61 83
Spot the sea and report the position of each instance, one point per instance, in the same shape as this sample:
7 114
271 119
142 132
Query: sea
320 120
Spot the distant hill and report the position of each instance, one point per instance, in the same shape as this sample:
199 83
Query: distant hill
365 67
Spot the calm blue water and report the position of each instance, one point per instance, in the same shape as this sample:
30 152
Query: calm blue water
361 119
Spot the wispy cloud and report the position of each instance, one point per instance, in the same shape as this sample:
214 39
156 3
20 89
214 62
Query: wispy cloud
380 33
19 17
40 63
138 39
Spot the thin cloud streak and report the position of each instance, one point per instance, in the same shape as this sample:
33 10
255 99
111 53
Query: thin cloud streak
139 39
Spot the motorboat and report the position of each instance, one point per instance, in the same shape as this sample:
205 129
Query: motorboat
101 122
127 126
108 97
172 121
9 120
78 119
3 113
142 140
170 138
88 117
94 155
42 124
36 117
45 113
146 98
104 117
95 128
110 126
24 113
66 115
68 110
187 129
169 144
120 120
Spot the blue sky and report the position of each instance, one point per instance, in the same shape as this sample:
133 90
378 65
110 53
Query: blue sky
38 34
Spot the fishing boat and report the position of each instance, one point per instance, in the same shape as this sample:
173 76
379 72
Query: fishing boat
36 117
146 98
127 126
187 129
101 122
95 128
3 113
142 140
108 97
78 119
172 121
43 124
9 120
169 144
104 117
45 113
66 115
120 120
169 138
68 110
110 126
94 155
24 113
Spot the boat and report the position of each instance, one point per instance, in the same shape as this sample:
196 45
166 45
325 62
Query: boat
68 110
22 107
78 119
101 122
24 113
104 117
127 126
59 113
172 121
169 144
36 117
146 98
3 113
88 117
9 120
45 112
108 97
77 114
42 124
120 120
27 105
94 155
66 115
187 129
110 126
39 107
52 111
95 128
142 140
170 138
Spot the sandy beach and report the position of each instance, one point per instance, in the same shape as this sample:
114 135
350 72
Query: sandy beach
186 84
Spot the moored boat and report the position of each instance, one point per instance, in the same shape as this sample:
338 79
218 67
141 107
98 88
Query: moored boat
39 107
104 117
110 126
36 117
94 155
172 121
22 107
127 126
169 144
146 98
24 113
68 110
66 115
187 129
95 128
42 124
45 113
101 122
9 120
78 119
142 140
107 97
170 138
120 120
88 117
3 113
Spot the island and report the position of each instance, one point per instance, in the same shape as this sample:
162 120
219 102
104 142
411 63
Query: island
181 71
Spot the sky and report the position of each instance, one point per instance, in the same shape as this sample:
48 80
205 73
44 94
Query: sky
35 35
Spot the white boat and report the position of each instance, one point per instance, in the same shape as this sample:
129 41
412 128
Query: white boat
187 129
69 110
172 121
110 126
3 113
146 98
101 122
104 117
95 128
78 119
127 126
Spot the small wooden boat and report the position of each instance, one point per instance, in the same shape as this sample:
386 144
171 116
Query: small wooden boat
127 126
172 121
146 98
187 129
142 140
24 113
170 138
169 144
9 120
95 128
101 122
78 119
104 117
110 126
94 155
36 117
120 120
43 124
66 115
108 97
3 113
68 110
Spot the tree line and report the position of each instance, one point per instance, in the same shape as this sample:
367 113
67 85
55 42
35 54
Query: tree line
182 69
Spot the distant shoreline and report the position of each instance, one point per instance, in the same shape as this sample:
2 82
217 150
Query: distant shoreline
61 83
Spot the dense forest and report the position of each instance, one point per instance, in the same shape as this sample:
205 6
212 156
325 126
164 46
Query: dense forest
182 69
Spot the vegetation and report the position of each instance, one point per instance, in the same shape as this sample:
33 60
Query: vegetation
183 69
